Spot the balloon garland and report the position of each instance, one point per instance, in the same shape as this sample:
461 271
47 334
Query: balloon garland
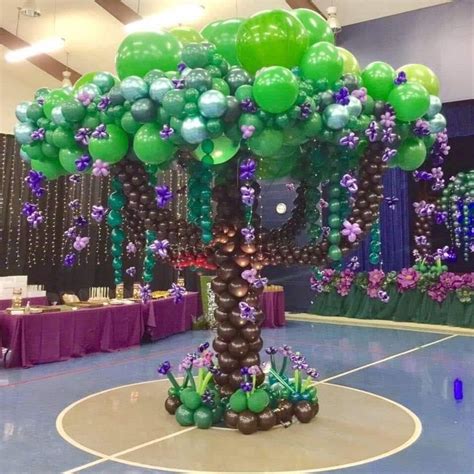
240 102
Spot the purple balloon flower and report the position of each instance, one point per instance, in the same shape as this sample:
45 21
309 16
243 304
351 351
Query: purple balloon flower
166 132
350 183
145 293
131 271
249 275
342 96
71 233
388 135
83 162
164 368
247 169
104 103
181 67
260 282
387 119
178 83
349 141
247 131
248 234
248 195
383 296
28 208
400 79
74 179
360 94
421 128
353 264
163 195
100 168
371 131
100 132
80 243
160 247
247 312
131 248
69 260
98 213
246 386
177 292
441 217
38 135
305 111
388 154
84 98
248 105
391 201
80 221
82 135
74 204
35 219
351 230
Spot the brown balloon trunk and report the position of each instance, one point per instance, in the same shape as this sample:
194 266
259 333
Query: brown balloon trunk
238 341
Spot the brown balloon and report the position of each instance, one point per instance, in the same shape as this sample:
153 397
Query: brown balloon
225 301
238 347
227 363
266 419
221 378
248 422
219 345
171 404
231 418
221 315
235 378
286 410
236 320
238 287
303 411
227 332
228 270
250 333
250 359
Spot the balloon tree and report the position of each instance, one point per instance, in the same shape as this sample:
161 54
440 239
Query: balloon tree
240 103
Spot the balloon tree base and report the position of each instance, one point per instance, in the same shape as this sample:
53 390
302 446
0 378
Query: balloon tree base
266 397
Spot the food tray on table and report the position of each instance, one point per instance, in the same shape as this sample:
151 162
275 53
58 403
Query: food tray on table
86 304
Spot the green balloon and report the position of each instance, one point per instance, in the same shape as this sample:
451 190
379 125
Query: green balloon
34 112
67 158
270 168
150 147
422 75
184 416
52 169
203 417
410 101
186 34
313 125
111 149
258 401
55 97
271 38
349 61
411 154
378 78
141 52
83 80
129 124
238 401
91 121
174 102
114 218
251 119
266 143
50 151
322 62
316 26
34 151
64 138
244 92
220 85
116 201
223 34
117 235
334 253
224 150
275 89
73 111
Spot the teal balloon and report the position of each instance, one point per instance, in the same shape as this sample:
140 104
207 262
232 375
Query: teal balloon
435 106
153 75
73 111
23 133
57 116
144 110
194 130
42 92
24 156
20 111
104 81
199 79
133 88
336 116
354 107
212 104
437 123
195 55
159 87
91 89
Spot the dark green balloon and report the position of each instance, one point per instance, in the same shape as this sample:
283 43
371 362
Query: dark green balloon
73 111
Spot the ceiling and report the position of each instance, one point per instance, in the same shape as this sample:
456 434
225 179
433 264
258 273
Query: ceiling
92 35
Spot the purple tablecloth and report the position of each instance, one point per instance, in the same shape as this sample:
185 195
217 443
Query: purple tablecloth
50 337
35 300
273 307
163 317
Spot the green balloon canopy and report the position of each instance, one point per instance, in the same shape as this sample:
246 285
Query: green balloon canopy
271 38
223 34
224 150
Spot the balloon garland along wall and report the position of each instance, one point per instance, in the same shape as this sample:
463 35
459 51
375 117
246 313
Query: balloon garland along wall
240 103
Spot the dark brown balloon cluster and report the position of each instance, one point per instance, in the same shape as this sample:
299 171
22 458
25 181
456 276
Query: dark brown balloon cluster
278 248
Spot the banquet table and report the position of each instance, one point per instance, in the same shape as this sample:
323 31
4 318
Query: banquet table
273 307
163 317
35 300
56 336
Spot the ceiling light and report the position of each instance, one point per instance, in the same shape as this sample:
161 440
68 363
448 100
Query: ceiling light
333 20
44 46
181 15
30 9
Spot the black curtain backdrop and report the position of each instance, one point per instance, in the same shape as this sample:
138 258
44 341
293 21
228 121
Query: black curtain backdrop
39 253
